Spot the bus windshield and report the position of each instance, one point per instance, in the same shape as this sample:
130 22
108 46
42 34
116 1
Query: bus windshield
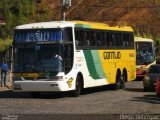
41 50
38 58
144 53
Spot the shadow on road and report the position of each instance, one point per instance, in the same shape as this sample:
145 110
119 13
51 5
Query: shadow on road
153 99
134 89
11 94
50 95
97 89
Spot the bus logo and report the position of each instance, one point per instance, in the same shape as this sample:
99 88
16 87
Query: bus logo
112 55
70 82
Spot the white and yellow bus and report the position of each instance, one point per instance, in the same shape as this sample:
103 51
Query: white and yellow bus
145 52
72 55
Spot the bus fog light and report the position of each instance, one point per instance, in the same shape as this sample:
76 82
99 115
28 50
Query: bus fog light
17 86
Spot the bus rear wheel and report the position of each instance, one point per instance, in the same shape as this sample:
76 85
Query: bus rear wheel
123 80
78 88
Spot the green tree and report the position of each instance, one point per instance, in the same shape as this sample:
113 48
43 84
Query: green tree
15 12
157 40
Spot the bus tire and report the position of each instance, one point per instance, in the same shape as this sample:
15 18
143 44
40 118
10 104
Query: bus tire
78 88
123 81
117 85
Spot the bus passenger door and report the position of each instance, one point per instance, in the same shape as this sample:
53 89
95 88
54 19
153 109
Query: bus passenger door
68 57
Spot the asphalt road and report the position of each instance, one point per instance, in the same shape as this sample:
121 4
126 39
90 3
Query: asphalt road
131 100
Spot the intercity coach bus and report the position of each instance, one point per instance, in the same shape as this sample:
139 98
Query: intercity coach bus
71 56
145 56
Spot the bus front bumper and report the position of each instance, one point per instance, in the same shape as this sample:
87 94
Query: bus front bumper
39 86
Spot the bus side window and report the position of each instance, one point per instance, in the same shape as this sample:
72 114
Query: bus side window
118 39
93 38
98 39
131 39
128 39
107 38
77 38
88 38
102 39
125 40
111 39
82 37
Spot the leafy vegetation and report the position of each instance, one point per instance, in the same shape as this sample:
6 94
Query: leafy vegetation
15 12
5 44
157 40
142 15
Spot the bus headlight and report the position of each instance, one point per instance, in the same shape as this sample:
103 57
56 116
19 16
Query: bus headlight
17 87
58 78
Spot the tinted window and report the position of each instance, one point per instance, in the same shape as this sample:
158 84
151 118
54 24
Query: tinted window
103 39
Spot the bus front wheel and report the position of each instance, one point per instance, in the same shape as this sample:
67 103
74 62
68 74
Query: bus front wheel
78 88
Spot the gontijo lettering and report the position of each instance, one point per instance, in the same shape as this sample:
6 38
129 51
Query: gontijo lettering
112 55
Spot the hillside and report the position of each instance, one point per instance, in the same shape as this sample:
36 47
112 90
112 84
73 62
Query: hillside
142 15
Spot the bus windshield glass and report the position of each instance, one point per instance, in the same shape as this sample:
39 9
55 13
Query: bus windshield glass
38 58
145 53
39 50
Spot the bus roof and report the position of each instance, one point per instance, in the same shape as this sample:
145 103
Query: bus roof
102 26
45 25
141 39
78 24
